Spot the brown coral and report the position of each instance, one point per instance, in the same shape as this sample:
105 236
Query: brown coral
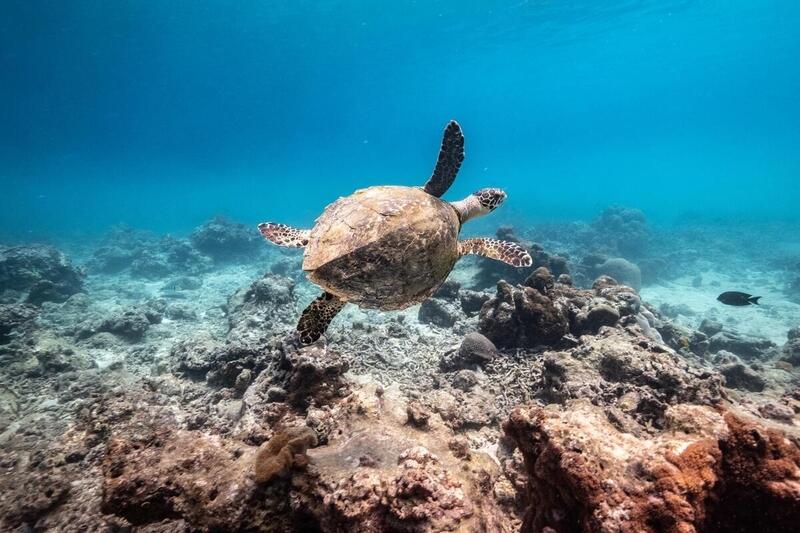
705 472
522 316
178 477
284 450
379 473
759 475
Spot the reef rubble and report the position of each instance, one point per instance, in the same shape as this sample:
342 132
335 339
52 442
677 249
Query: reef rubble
36 274
540 405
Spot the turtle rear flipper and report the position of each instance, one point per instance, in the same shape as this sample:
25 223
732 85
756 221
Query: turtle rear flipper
317 317
284 235
505 251
450 157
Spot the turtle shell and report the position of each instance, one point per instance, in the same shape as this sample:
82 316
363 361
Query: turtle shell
383 247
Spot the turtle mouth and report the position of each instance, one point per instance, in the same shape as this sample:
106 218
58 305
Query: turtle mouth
491 198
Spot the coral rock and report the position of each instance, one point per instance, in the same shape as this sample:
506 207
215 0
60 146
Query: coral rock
791 350
541 279
475 349
130 324
13 317
622 230
46 274
42 493
703 472
438 312
744 346
257 312
203 481
641 381
776 411
224 240
284 450
621 270
466 380
448 290
418 416
195 357
379 473
522 317
146 255
472 301
710 327
596 316
740 376
313 375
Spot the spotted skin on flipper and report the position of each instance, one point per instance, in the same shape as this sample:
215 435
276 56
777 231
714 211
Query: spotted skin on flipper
505 251
317 317
284 235
450 157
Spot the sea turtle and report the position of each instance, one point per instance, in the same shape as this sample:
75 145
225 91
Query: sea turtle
390 247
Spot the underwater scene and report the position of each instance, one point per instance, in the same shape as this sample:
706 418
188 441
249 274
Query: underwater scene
410 266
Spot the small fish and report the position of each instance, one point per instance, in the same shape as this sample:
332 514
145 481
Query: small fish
738 298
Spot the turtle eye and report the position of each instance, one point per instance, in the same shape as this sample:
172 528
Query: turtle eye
490 198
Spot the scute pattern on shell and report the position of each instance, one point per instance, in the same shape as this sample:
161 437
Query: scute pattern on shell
383 247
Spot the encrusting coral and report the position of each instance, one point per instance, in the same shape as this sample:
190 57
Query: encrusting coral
283 451
706 471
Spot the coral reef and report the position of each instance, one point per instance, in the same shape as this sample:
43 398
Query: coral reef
622 270
522 316
225 240
472 301
791 350
253 310
379 473
14 316
170 396
620 230
187 480
702 471
475 349
740 376
744 346
286 449
146 256
37 274
542 312
312 376
438 312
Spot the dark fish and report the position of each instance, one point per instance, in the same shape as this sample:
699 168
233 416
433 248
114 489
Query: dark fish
737 298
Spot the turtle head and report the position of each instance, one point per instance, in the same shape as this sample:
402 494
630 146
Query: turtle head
490 198
479 203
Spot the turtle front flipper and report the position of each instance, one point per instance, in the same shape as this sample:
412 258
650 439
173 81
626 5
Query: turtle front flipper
505 251
284 235
450 157
317 317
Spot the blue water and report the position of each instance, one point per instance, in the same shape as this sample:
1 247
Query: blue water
162 114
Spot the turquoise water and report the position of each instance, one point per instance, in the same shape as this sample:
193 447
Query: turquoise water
162 114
